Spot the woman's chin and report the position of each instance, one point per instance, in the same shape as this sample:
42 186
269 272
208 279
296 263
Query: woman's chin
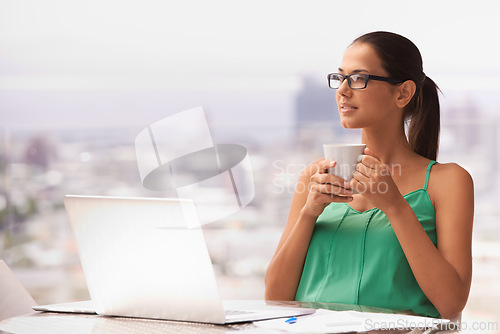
349 125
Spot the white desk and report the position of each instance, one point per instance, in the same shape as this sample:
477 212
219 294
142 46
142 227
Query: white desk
45 322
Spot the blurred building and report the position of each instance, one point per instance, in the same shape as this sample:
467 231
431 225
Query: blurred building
39 152
463 116
317 120
471 138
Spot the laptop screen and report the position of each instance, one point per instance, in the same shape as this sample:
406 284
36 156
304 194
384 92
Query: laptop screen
145 257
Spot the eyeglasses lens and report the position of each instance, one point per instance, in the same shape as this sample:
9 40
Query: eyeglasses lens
335 81
356 81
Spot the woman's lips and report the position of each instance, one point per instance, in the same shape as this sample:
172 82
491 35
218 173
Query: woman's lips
344 108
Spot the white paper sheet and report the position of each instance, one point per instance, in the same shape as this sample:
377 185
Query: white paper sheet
325 321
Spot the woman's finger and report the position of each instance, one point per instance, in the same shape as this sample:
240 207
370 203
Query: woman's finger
363 169
331 189
325 165
370 161
330 198
359 182
369 152
323 178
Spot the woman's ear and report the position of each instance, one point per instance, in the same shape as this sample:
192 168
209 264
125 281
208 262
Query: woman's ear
405 93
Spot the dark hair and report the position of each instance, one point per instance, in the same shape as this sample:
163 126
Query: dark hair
402 60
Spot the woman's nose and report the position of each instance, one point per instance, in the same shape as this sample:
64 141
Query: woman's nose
344 88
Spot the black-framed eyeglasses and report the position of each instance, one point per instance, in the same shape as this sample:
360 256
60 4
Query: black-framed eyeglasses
357 80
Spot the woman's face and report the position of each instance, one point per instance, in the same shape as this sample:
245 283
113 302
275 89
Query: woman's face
373 105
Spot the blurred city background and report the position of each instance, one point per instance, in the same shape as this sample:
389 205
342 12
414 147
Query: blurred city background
78 82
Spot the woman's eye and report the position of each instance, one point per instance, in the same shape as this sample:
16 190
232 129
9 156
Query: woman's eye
356 78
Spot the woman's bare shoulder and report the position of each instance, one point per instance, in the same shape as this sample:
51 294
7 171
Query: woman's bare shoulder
450 179
449 173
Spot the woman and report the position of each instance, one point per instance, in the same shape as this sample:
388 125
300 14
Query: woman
404 240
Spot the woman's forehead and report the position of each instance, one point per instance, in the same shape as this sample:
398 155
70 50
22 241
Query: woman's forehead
361 57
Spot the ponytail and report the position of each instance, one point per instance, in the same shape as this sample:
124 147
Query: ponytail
423 131
402 60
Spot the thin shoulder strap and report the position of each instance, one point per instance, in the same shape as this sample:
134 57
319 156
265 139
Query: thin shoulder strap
429 166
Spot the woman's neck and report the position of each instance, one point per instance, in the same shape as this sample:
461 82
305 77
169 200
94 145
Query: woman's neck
390 146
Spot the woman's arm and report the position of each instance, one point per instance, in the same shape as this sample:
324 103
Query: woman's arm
315 189
443 273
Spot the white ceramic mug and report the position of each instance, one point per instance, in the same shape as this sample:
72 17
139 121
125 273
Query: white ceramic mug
346 156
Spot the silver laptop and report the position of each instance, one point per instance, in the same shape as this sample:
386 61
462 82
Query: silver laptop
147 258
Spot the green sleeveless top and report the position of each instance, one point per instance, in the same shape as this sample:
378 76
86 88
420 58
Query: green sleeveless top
355 258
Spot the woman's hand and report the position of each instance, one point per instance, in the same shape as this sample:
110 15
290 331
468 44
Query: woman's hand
325 188
314 191
373 180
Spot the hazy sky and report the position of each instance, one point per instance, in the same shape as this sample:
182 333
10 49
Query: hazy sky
59 53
